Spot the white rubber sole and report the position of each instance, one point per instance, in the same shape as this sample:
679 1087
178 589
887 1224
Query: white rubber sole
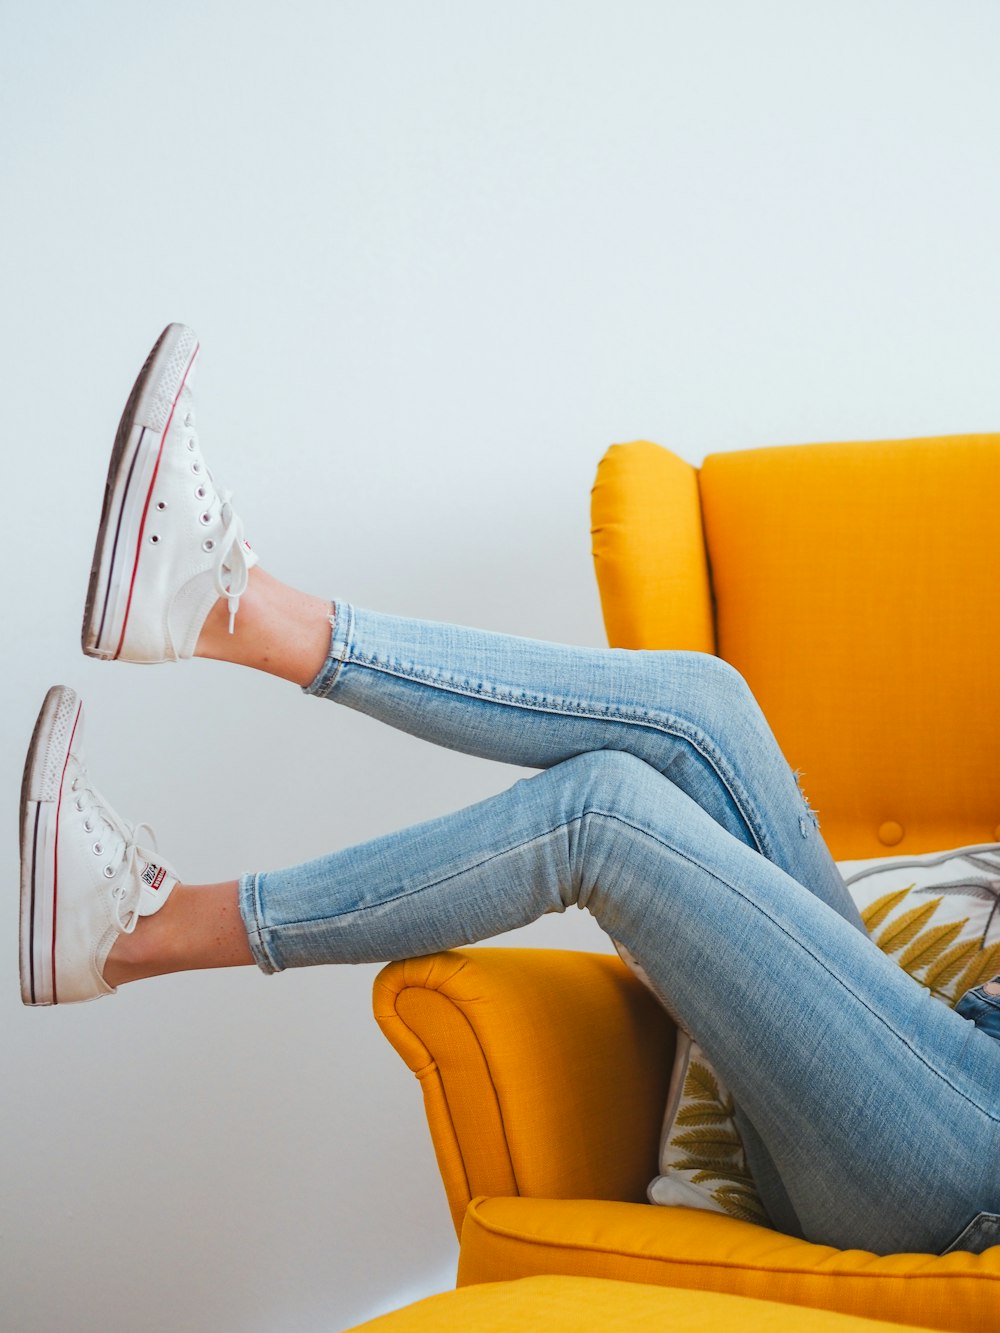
135 461
41 802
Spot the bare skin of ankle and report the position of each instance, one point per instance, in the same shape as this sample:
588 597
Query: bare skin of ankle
198 926
286 633
277 629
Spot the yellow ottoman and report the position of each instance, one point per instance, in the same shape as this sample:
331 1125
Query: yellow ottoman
604 1306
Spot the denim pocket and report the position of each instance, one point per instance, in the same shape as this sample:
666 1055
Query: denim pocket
982 1232
982 1007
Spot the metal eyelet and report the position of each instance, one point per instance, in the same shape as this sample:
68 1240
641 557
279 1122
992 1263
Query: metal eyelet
200 492
161 505
75 785
98 849
108 872
79 804
208 545
192 443
154 538
88 826
205 519
196 466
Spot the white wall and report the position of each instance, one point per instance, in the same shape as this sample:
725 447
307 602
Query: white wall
439 255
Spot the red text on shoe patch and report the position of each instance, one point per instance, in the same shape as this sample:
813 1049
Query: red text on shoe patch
153 876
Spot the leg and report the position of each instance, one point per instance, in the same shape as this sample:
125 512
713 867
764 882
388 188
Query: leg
875 1102
896 1112
171 569
520 701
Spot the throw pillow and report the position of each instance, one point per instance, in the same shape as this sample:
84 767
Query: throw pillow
937 916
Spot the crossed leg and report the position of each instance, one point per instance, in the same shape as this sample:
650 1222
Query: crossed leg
665 808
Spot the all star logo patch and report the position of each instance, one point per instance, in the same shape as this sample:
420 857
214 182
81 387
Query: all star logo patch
153 877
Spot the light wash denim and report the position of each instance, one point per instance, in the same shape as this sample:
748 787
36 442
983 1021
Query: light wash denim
871 1112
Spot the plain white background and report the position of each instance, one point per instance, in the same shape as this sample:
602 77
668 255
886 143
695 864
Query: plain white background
440 255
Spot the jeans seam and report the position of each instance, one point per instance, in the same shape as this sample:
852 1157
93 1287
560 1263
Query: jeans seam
431 884
341 638
735 888
685 731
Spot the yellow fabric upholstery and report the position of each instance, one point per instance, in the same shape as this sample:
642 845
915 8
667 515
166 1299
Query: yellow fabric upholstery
682 1247
592 1305
649 550
543 1073
856 587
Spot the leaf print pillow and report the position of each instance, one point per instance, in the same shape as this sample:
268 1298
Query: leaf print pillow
937 916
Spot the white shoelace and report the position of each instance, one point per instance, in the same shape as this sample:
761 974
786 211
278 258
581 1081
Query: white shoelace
231 553
127 855
231 559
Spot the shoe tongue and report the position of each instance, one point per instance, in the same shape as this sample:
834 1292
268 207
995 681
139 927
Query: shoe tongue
155 884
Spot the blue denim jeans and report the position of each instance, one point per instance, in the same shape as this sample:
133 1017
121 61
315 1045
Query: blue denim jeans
870 1111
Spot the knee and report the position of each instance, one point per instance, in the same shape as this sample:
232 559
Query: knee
717 687
609 780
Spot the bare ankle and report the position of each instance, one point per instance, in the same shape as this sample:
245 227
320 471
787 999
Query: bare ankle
277 629
199 926
131 957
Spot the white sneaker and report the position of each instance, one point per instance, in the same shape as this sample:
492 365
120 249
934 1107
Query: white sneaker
85 878
169 544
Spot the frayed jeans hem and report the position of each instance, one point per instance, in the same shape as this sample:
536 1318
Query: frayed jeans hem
341 637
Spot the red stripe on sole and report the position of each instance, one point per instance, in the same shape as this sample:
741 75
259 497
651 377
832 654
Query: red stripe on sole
149 496
55 849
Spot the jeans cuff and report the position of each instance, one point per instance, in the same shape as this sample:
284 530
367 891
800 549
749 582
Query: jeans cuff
341 636
250 912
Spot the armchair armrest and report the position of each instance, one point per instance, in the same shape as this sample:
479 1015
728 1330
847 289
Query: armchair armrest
544 1072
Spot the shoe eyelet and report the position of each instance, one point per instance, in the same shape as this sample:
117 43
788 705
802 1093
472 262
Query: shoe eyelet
205 519
88 826
75 785
154 538
79 803
109 872
192 443
196 467
189 418
208 545
161 505
200 492
98 849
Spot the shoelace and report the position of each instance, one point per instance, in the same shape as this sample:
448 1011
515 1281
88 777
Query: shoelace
128 852
231 551
231 558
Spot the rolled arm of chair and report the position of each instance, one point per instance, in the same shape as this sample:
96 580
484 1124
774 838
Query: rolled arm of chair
544 1072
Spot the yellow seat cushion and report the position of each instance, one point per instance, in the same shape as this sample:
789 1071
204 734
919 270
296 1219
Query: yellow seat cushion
584 1304
682 1247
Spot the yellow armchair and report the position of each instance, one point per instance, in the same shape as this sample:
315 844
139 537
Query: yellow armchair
856 587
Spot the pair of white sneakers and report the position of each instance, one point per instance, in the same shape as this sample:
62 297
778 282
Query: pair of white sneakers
168 547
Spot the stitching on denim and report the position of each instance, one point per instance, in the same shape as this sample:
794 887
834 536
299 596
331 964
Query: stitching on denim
431 884
712 874
697 739
257 934
337 657
938 1073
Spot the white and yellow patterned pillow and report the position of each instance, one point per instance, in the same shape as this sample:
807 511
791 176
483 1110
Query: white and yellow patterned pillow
937 916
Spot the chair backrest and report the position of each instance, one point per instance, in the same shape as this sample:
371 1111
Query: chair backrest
857 588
